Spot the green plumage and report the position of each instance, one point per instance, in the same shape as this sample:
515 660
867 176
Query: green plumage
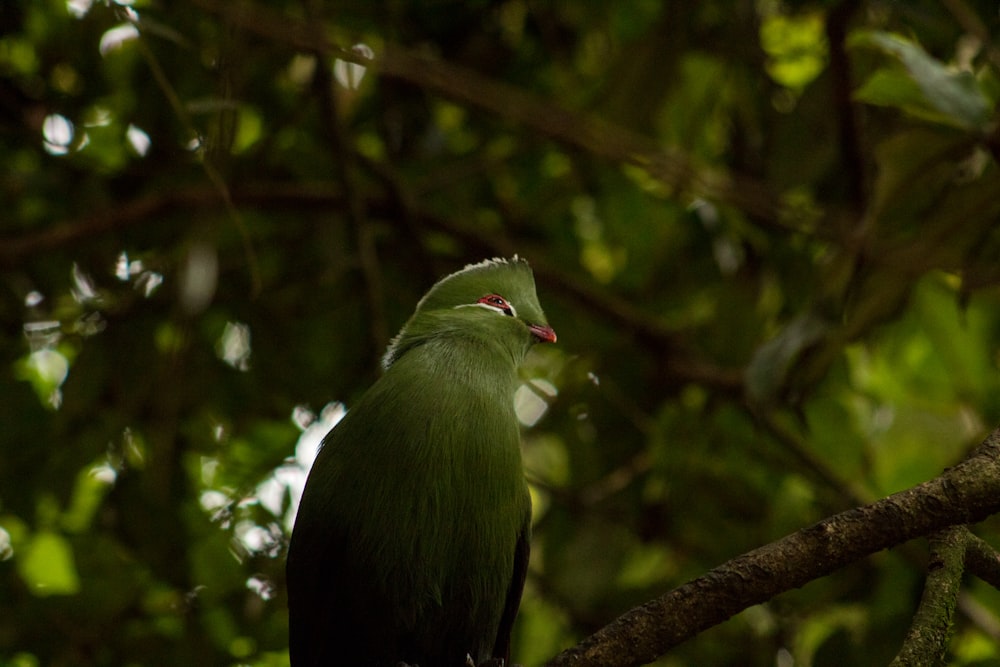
411 540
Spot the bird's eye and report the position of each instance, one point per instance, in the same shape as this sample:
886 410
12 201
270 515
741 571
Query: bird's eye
498 302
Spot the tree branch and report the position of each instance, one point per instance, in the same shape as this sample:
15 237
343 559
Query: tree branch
159 203
842 89
967 493
982 560
672 167
208 161
927 639
342 156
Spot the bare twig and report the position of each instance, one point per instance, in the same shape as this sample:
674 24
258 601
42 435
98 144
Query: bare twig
208 166
343 157
842 89
648 328
142 209
970 22
849 492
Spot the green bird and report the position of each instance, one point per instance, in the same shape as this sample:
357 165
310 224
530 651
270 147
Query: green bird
411 540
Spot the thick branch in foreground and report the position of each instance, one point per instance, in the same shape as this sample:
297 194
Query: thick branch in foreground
965 494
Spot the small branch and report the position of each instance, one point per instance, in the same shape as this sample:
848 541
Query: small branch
651 330
672 167
617 480
343 157
982 560
849 492
842 90
927 640
207 163
966 493
145 208
969 20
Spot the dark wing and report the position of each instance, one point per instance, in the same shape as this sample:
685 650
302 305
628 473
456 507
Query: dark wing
331 620
501 649
315 604
307 613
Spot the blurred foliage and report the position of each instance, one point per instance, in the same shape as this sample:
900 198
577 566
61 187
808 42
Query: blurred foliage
216 214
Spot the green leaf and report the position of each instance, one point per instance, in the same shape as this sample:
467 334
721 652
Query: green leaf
796 46
92 485
47 565
893 88
929 89
46 370
249 129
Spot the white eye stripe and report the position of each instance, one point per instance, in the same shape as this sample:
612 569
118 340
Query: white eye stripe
513 311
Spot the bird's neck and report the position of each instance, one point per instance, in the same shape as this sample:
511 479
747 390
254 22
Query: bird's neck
468 361
466 351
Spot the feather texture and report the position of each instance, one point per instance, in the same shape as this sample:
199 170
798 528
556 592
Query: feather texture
411 540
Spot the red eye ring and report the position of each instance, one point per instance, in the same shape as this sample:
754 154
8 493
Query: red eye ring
498 302
493 300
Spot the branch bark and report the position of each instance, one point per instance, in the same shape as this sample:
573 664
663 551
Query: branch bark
927 640
982 560
965 494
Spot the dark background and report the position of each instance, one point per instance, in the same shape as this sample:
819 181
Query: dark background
765 232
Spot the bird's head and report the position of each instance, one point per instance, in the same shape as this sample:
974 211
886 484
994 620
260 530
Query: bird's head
493 300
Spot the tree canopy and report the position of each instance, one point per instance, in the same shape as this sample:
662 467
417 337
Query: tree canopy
765 232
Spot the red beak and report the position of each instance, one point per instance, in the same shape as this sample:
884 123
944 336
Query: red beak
543 334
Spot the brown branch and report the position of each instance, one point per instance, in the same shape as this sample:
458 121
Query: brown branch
929 633
208 165
849 492
142 209
673 168
970 22
842 91
982 560
651 330
965 494
343 157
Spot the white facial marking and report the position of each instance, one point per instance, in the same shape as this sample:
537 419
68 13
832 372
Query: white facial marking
487 306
